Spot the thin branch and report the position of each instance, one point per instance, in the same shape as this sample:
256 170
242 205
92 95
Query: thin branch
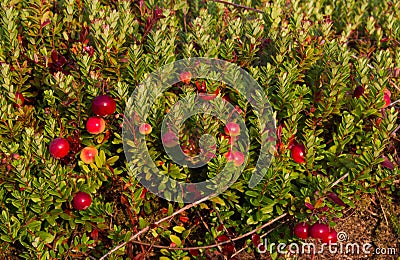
156 224
383 211
262 236
340 179
239 6
217 244
395 130
394 102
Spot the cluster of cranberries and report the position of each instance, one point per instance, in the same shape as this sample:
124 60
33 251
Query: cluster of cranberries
318 231
233 131
60 147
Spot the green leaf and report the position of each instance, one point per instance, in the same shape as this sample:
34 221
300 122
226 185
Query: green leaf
218 200
34 225
251 221
112 160
175 240
178 229
46 237
5 238
268 209
252 193
142 223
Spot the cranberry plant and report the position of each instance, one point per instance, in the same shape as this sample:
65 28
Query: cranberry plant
67 69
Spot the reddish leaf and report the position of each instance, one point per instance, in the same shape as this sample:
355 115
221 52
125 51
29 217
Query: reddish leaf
143 194
194 252
124 200
184 219
292 142
94 234
319 202
279 138
335 198
325 208
309 206
222 238
54 56
228 249
387 163
45 23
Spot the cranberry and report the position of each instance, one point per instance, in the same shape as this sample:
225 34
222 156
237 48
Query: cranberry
103 105
95 125
319 230
170 139
331 237
81 201
59 148
185 77
236 156
88 154
298 153
301 230
232 129
145 129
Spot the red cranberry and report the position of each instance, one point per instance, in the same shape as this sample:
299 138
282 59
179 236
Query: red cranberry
298 153
236 156
59 148
185 77
95 125
81 201
88 154
301 230
169 139
232 129
331 237
145 129
319 230
103 105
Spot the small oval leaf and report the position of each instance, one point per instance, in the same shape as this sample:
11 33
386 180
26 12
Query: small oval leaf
175 240
178 229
